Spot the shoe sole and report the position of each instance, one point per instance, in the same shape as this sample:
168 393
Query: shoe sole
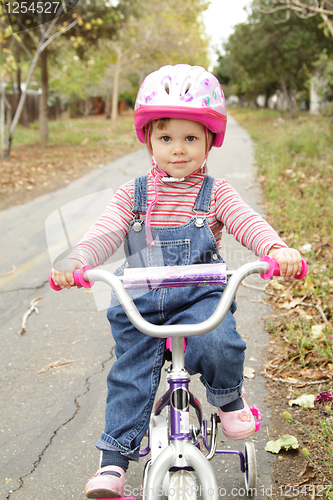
238 435
102 494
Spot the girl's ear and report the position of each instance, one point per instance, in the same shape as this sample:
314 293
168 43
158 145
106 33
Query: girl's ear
153 161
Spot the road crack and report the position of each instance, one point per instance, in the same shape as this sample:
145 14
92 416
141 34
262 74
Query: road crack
77 409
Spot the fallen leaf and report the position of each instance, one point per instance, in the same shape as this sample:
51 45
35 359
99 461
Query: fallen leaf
317 330
293 380
308 471
285 442
291 304
306 401
303 313
249 372
315 374
276 285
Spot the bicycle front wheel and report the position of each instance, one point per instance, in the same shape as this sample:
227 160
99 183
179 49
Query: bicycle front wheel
182 486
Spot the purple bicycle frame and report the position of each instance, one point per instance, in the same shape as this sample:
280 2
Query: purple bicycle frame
180 399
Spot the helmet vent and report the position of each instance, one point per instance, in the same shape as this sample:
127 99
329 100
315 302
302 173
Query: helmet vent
188 86
166 87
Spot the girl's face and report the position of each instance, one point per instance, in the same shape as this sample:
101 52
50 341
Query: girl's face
180 147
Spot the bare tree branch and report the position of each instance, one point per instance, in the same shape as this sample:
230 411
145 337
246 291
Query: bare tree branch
44 41
303 10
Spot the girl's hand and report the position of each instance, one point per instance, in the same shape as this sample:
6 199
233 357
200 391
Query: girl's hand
62 273
289 260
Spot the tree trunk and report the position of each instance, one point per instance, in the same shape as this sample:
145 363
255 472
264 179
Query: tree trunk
285 91
45 39
108 105
25 114
293 99
6 135
115 96
43 118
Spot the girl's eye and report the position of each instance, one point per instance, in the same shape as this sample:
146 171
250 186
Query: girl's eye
165 138
190 138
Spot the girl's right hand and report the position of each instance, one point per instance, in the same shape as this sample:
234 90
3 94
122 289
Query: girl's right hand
62 272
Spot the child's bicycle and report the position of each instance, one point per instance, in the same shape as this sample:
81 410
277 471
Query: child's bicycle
178 468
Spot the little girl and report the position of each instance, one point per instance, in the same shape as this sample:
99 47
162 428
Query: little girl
172 216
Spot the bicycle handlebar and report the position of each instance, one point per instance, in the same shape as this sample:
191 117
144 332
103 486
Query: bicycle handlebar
90 275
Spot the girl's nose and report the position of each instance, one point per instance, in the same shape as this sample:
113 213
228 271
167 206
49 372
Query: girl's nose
178 147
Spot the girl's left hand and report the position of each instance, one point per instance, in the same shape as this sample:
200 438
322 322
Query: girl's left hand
289 260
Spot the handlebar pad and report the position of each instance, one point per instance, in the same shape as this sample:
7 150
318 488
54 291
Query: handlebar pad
275 270
78 279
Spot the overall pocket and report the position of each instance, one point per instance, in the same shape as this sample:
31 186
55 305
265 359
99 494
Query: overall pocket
169 253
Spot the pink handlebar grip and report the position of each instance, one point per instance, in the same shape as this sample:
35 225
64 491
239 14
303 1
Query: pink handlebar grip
78 279
274 269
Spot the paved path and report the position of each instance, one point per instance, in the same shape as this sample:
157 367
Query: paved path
51 419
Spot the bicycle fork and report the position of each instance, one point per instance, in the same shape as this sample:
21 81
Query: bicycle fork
180 454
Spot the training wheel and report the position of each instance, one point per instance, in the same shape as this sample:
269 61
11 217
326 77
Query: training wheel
250 462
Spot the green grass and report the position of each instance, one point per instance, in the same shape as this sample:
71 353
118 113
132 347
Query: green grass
295 165
295 160
74 131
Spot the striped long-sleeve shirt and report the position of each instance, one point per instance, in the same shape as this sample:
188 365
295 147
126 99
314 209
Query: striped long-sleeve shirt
174 207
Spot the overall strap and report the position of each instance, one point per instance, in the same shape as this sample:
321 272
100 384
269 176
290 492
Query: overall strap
140 195
202 203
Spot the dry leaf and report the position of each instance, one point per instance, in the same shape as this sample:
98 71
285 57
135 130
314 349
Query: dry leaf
291 304
303 313
317 330
249 372
308 471
306 401
276 285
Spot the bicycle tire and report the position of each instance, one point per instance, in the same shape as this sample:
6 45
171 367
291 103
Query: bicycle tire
182 486
250 474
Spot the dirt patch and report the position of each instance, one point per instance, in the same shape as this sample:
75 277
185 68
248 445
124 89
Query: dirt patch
37 169
294 476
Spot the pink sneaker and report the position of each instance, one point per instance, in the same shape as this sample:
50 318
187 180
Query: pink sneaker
106 485
238 424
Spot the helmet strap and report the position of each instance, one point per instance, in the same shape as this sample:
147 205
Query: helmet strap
207 144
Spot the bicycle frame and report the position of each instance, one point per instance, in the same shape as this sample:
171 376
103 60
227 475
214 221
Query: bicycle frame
180 454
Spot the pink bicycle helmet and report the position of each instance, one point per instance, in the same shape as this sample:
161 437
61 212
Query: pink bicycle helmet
181 91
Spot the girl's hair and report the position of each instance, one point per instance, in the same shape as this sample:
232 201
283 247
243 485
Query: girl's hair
160 124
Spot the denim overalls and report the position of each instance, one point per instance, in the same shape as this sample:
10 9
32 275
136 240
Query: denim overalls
218 355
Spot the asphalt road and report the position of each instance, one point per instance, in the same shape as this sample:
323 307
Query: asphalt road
53 377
